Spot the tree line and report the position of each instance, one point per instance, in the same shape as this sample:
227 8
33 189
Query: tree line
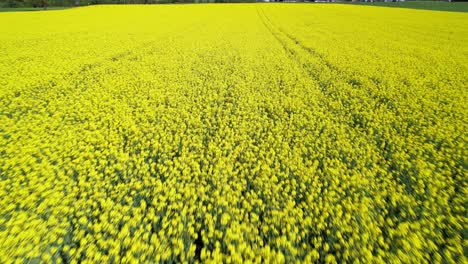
47 3
66 3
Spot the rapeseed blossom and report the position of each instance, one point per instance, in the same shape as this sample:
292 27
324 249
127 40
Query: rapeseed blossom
233 133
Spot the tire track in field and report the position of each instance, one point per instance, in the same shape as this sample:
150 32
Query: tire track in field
294 47
329 84
352 116
359 99
303 57
322 72
335 84
290 45
315 63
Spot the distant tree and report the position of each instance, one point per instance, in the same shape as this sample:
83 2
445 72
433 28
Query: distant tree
14 3
40 3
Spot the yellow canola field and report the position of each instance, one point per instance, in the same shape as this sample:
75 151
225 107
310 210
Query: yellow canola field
301 133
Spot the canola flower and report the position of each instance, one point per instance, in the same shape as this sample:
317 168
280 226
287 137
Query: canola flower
233 133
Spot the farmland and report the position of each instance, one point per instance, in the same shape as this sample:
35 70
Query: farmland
233 133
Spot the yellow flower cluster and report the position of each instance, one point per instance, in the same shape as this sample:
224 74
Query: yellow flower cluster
233 133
